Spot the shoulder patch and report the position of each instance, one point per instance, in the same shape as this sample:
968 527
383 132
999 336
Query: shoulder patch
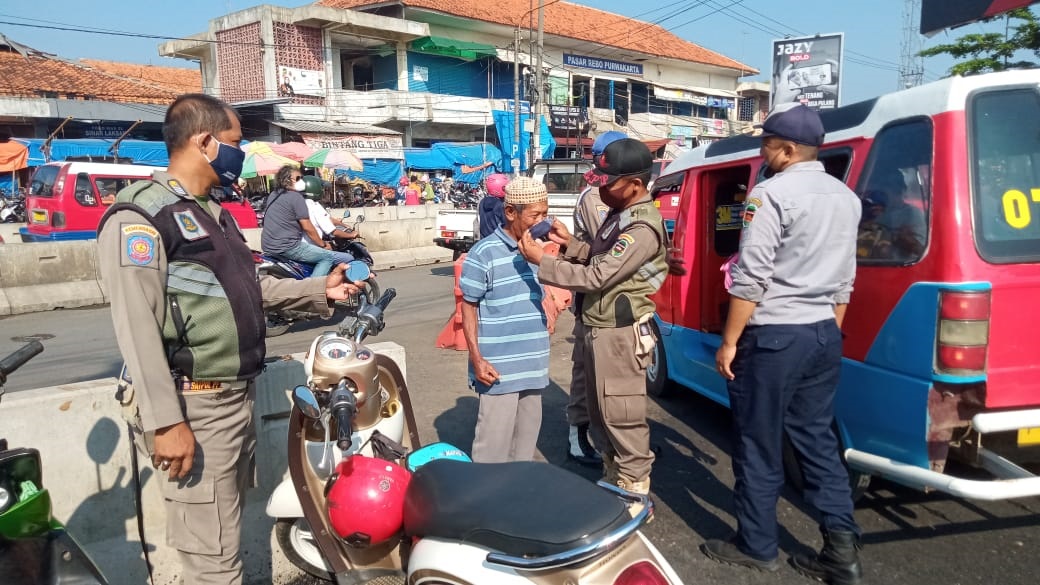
755 201
176 187
139 242
749 211
622 244
189 226
602 210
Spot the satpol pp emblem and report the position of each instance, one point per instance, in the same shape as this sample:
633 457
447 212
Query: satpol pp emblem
139 241
189 226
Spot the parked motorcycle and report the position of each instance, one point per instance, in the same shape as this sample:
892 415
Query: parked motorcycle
12 208
364 503
35 548
464 197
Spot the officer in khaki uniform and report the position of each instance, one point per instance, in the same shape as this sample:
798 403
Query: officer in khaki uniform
617 271
188 311
589 213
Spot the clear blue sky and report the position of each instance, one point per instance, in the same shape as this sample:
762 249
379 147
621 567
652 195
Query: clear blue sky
740 29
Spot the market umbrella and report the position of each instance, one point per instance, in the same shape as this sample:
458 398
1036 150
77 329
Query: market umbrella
294 150
259 164
331 158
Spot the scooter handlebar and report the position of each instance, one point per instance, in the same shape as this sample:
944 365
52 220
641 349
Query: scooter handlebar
18 358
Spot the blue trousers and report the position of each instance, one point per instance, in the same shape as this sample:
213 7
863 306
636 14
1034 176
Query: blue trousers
786 377
322 259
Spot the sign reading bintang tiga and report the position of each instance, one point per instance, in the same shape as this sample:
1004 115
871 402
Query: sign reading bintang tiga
600 64
364 146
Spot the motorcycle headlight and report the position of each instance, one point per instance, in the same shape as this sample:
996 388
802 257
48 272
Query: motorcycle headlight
6 499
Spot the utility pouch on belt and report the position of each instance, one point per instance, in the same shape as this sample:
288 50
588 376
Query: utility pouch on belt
644 336
127 398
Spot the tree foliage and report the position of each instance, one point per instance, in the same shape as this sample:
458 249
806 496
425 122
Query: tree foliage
986 52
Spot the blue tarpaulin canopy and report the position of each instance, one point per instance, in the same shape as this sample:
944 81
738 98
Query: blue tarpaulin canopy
505 126
143 152
378 171
425 159
469 162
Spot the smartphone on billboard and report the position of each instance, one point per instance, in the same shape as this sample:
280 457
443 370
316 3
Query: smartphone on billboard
811 76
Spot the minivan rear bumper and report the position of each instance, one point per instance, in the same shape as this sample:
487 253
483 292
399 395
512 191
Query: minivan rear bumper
28 236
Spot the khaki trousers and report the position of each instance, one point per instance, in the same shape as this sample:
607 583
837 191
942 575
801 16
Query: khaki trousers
507 427
577 407
204 509
617 409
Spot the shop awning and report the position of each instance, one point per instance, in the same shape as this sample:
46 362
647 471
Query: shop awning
452 48
573 141
657 144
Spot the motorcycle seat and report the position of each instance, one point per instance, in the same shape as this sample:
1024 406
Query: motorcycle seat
522 508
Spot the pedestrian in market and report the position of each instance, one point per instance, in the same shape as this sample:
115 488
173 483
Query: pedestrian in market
504 323
781 349
617 271
188 311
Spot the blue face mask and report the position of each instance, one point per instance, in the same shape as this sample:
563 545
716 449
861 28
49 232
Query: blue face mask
228 164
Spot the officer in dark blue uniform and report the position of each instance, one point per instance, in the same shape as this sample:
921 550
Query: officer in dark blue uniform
781 349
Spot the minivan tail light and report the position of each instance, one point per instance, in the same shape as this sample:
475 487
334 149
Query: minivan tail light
59 181
962 343
641 573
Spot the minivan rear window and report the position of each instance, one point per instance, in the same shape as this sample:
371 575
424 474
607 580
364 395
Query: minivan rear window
1005 148
42 182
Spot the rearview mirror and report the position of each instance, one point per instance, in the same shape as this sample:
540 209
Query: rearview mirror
346 213
305 400
360 219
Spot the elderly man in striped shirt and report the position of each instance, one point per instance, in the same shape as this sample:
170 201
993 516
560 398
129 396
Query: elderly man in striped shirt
505 328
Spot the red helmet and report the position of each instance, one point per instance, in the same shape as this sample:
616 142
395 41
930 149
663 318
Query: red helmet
365 499
496 185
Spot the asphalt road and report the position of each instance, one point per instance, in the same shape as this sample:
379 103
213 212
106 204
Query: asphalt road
909 537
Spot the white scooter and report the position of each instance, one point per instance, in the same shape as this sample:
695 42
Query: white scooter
366 504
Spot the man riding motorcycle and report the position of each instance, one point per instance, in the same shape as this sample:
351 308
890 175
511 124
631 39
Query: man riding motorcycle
325 224
288 232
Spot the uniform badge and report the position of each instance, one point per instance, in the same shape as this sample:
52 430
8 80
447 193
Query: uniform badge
602 210
189 226
749 212
622 244
139 244
175 186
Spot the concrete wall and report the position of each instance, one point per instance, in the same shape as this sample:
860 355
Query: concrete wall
87 469
43 276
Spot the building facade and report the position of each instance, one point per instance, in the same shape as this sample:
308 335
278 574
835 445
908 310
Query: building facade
433 71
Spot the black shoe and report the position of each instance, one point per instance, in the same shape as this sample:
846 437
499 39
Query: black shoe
724 551
580 449
836 563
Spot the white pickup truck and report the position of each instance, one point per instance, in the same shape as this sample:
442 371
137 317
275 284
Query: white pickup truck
564 179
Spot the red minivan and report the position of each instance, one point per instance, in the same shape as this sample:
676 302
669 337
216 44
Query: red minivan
67 199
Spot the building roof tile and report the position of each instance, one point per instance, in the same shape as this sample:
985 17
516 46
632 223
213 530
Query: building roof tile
176 79
573 21
39 75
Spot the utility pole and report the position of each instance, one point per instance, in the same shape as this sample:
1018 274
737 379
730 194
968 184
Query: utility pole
911 65
515 154
538 95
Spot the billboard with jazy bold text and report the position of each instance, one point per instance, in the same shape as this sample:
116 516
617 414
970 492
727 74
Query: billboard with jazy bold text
807 70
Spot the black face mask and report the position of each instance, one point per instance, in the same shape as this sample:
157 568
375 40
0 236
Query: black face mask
227 164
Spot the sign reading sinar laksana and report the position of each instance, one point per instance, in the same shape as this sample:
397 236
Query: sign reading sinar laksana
609 65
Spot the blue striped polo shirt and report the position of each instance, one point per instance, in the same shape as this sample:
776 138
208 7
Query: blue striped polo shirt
511 323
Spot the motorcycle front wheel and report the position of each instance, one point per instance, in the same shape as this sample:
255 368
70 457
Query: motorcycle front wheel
297 543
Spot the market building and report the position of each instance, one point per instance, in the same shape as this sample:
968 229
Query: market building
412 73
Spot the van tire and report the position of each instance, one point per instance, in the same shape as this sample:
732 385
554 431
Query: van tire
859 482
657 383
